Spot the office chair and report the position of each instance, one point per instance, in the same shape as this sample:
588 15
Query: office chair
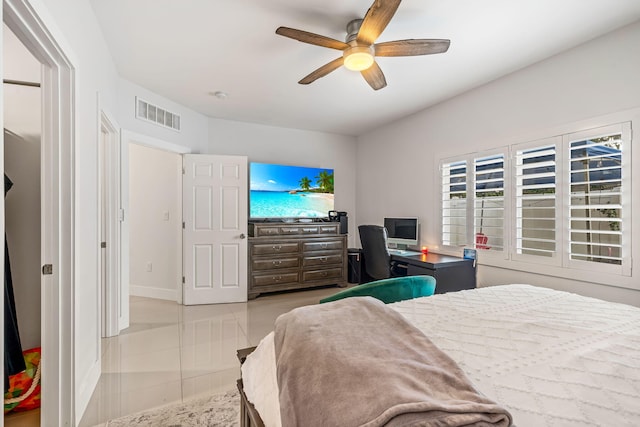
377 260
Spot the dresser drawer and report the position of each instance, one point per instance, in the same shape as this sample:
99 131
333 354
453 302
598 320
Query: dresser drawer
328 229
330 273
272 264
290 231
275 230
262 231
275 279
331 260
309 229
274 248
327 245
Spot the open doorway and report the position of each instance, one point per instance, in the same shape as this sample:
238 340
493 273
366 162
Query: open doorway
22 148
155 215
171 289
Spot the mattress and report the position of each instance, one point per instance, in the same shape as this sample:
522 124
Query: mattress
551 358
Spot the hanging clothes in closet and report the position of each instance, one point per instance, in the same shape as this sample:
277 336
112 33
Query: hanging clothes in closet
13 358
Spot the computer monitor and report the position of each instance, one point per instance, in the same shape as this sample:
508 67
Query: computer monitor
402 232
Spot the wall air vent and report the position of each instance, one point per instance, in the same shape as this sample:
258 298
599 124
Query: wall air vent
157 115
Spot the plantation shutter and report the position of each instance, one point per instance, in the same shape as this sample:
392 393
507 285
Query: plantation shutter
596 220
535 200
454 203
489 202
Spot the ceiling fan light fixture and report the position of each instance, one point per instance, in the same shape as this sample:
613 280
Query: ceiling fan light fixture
360 49
358 58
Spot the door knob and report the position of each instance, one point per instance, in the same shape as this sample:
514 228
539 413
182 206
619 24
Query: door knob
242 236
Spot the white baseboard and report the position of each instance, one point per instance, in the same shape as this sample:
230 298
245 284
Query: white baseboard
151 292
86 388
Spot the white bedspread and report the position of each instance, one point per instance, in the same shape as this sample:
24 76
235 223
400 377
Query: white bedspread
551 358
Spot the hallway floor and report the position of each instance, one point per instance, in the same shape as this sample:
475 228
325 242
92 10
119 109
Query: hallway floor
172 353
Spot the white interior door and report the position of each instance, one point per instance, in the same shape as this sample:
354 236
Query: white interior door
215 193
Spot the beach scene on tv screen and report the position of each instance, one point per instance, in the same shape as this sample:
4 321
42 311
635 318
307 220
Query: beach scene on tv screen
282 191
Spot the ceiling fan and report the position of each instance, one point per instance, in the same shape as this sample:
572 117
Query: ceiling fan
359 47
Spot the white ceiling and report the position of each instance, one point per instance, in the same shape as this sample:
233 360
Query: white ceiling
187 49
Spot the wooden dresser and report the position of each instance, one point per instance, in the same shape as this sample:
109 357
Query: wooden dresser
295 255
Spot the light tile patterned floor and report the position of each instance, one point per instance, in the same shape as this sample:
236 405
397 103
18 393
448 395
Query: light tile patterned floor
172 353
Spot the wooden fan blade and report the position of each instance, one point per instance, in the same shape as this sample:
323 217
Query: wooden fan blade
322 71
412 47
374 76
311 38
376 20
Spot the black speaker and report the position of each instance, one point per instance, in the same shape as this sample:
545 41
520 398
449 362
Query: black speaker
341 217
344 224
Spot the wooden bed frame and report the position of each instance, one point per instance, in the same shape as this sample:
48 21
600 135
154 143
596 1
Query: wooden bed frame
249 416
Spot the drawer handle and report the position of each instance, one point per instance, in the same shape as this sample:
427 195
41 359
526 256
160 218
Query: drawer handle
323 259
277 248
277 278
276 262
325 274
324 246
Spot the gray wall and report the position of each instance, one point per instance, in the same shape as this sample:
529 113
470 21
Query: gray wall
592 85
268 144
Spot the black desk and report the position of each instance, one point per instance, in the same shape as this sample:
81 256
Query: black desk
451 273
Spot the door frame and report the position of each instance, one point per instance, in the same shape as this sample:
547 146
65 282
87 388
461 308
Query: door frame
127 137
109 177
58 207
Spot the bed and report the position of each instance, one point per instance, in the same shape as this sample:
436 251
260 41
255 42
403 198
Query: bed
549 358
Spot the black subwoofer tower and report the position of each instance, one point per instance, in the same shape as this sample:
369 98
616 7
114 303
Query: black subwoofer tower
341 217
344 224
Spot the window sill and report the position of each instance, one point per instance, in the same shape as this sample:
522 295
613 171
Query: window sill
589 276
596 277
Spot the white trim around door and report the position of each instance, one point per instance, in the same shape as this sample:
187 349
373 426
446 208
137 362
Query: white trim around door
25 19
127 137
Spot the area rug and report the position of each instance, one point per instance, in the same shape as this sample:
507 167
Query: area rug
220 410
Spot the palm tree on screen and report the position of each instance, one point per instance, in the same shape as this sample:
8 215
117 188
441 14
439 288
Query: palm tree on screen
305 183
325 181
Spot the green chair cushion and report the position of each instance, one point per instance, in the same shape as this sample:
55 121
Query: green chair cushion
390 290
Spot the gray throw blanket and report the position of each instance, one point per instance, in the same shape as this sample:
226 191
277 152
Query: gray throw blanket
356 362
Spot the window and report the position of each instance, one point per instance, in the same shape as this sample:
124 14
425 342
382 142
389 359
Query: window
454 203
535 222
473 202
488 211
560 201
597 193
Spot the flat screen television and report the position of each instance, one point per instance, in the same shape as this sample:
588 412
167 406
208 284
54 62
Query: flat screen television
289 192
402 232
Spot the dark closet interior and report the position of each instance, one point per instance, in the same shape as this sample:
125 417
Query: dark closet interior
22 304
